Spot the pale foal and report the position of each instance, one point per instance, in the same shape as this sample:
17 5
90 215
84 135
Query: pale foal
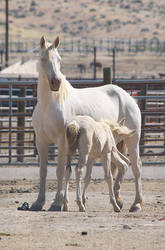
95 140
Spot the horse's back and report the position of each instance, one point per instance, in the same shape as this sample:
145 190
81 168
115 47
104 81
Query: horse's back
110 102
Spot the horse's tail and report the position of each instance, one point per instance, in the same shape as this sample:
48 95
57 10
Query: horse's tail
72 133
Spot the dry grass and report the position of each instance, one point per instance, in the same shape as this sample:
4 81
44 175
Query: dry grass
95 19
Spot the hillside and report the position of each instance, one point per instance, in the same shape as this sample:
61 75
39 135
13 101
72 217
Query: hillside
29 19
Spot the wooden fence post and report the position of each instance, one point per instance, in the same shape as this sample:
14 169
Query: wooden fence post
94 63
107 77
143 108
21 125
114 65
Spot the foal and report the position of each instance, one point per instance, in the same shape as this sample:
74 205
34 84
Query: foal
95 140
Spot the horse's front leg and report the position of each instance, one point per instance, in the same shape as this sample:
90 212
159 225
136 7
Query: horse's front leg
42 147
58 202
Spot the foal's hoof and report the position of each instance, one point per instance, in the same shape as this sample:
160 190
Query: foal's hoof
54 208
65 207
117 209
120 203
135 208
81 206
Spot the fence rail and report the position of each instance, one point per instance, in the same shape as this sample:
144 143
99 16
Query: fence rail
17 138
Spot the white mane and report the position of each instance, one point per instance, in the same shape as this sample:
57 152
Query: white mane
62 94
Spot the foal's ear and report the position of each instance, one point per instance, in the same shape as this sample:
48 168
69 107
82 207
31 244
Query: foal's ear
122 122
57 41
42 42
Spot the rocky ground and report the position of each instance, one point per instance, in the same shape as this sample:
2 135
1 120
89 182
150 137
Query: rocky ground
98 228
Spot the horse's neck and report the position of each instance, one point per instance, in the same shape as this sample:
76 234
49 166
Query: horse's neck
43 91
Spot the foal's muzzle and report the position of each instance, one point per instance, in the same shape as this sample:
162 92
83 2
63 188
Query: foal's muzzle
55 84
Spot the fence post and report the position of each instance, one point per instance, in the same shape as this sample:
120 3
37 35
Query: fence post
21 125
94 63
143 108
107 77
114 65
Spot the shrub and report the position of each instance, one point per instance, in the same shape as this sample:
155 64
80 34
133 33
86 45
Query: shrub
33 3
145 29
57 11
92 10
40 13
109 22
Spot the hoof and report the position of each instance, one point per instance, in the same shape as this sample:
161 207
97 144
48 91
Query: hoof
35 207
135 208
120 203
81 206
84 203
117 209
82 209
54 208
65 208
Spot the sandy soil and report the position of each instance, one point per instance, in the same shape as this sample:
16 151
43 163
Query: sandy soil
98 228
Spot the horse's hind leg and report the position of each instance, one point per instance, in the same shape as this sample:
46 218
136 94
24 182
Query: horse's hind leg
67 178
42 147
133 149
122 163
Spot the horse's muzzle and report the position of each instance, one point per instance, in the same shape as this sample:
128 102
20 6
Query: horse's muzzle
55 84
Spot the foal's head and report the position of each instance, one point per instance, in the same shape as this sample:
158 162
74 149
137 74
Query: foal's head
49 62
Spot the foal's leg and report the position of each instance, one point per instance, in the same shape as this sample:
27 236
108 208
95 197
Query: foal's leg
106 160
78 172
67 178
42 147
122 163
87 179
133 150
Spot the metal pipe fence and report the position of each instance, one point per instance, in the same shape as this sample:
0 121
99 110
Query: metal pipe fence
18 99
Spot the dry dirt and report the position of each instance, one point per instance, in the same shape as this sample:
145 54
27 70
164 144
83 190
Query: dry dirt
98 228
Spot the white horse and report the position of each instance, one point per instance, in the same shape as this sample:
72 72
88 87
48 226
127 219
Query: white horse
95 139
58 102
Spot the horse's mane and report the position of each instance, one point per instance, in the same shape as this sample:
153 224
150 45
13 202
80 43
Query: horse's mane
62 94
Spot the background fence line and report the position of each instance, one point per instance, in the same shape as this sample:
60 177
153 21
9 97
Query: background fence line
86 45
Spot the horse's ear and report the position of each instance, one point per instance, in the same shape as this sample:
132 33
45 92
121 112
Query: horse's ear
42 42
122 122
56 42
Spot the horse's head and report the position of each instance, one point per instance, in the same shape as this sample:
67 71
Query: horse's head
49 62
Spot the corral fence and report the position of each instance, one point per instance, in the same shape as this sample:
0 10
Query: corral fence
18 99
86 45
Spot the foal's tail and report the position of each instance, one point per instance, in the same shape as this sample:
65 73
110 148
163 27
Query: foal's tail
72 133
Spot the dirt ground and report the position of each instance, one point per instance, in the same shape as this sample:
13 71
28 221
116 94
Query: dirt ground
98 228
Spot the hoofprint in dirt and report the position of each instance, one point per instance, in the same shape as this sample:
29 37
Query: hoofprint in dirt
98 228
